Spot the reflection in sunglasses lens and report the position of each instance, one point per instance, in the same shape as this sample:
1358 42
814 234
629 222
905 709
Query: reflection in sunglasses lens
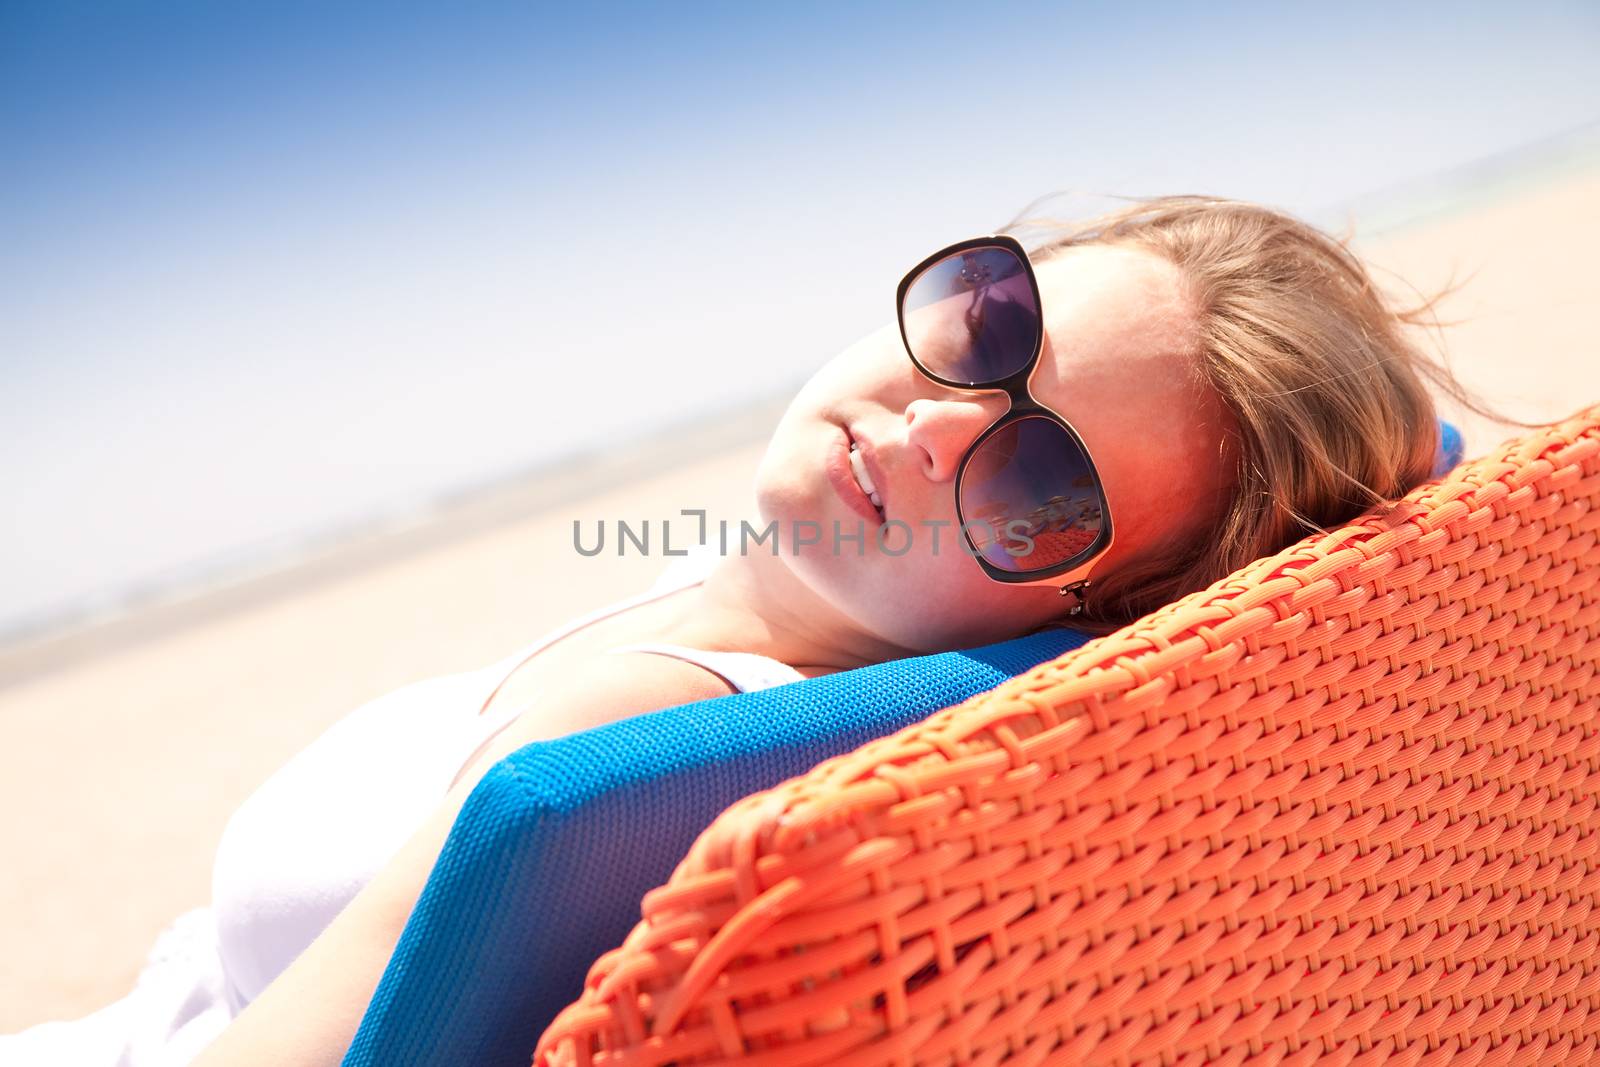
972 316
1030 482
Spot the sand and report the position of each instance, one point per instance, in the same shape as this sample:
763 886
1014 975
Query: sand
129 744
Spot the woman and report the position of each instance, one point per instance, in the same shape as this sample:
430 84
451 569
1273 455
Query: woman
1081 434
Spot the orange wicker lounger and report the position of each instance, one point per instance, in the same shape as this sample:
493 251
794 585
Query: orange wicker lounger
1340 808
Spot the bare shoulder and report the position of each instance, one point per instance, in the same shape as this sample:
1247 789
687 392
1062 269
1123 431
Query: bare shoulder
615 685
593 691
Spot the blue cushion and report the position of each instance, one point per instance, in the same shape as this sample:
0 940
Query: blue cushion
1450 449
545 867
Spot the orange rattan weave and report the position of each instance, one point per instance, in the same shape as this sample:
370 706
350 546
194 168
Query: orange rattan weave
1340 808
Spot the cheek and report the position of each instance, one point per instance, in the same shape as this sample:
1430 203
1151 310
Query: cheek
863 370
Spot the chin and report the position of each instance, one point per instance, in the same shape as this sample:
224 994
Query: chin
781 457
781 502
789 484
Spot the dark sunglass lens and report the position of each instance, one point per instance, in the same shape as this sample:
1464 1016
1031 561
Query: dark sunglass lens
972 317
1030 497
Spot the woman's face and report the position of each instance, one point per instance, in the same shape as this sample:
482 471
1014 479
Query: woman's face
1117 363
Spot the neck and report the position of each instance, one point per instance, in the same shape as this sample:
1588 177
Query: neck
756 603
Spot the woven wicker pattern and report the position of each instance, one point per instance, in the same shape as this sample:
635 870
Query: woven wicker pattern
1341 808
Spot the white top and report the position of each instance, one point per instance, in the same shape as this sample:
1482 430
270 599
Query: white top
301 847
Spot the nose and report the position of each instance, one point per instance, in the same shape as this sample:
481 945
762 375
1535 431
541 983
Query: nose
940 430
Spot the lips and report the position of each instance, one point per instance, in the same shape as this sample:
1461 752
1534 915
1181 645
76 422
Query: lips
843 480
869 460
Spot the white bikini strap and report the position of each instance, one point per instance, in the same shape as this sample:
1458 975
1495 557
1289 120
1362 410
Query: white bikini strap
675 578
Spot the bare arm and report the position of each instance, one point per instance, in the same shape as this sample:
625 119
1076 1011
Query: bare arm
308 1016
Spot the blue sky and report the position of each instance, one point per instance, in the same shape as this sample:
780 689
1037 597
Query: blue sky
267 269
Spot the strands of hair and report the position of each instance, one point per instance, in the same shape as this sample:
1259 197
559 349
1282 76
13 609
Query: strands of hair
1319 368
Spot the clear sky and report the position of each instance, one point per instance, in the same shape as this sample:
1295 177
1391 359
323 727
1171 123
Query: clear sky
271 268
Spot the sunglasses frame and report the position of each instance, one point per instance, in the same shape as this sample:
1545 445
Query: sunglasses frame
1022 405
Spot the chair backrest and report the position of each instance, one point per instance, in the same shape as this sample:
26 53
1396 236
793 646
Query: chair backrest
546 863
1339 808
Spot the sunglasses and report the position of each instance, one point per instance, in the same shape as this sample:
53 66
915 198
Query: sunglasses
1028 497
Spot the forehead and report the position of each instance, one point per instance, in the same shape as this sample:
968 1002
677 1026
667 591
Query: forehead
1119 363
1097 296
1118 321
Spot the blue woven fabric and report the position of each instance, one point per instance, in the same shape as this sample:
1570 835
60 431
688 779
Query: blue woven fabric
1450 449
546 865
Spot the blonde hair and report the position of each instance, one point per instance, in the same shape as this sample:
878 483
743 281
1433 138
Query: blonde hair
1327 391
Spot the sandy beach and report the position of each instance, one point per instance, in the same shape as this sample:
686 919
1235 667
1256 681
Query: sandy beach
128 745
